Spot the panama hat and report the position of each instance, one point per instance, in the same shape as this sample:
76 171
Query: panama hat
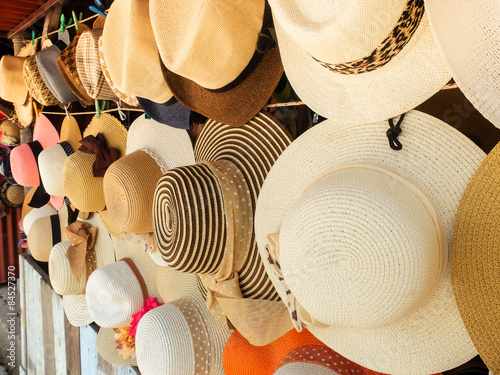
66 63
358 62
69 277
83 189
89 66
117 291
293 353
171 113
127 35
129 99
180 337
224 59
51 160
357 198
36 86
129 183
24 158
47 65
47 231
475 259
470 49
220 191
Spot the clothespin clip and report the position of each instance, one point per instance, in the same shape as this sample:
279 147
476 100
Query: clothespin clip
98 109
64 24
148 117
32 37
99 8
66 109
76 19
37 112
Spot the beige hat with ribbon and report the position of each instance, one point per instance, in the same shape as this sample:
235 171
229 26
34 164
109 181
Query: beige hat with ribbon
355 236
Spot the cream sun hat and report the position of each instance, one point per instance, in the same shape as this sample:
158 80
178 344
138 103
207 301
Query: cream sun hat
468 36
355 237
36 213
359 61
69 278
127 35
129 183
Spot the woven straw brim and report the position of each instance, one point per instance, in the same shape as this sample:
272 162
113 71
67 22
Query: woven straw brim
36 86
40 236
70 132
106 347
249 97
75 308
412 76
468 37
110 224
12 195
421 342
476 259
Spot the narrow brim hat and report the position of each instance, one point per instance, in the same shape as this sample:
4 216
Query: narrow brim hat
171 113
470 49
475 259
433 337
380 92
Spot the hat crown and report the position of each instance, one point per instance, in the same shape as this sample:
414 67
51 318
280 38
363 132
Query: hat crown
362 247
339 31
61 279
50 165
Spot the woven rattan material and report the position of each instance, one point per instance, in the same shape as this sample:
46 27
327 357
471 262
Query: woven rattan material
476 259
12 195
36 86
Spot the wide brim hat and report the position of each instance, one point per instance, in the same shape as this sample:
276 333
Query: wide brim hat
83 189
114 292
36 86
470 49
475 259
12 87
47 65
89 66
172 113
24 158
430 339
350 32
65 283
129 183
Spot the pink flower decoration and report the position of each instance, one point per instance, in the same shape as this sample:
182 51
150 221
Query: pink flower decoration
149 304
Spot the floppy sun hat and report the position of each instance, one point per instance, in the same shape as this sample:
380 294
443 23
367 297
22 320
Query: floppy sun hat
475 260
220 58
359 61
355 237
202 220
129 183
468 37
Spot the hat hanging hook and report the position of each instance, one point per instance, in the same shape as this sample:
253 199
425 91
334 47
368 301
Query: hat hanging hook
66 108
122 115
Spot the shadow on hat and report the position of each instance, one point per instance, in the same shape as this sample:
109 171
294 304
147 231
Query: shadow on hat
171 113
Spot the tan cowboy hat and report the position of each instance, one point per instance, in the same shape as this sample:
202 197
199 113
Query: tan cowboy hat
218 56
359 61
83 189
383 220
129 183
203 222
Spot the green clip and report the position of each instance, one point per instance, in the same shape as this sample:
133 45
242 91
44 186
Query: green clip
148 117
32 37
64 24
97 109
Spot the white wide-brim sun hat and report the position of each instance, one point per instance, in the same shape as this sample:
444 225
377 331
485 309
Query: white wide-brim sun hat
306 30
353 237
468 35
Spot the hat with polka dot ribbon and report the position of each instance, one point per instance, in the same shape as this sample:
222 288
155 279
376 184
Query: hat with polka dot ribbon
69 277
203 223
292 354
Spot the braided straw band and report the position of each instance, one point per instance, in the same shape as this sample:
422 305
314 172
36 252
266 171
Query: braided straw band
138 276
390 47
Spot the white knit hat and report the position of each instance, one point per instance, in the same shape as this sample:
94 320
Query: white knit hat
343 61
355 238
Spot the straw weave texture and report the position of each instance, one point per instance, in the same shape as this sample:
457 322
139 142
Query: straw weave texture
36 86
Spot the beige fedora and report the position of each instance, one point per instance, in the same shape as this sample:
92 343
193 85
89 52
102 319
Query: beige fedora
362 61
355 236
129 183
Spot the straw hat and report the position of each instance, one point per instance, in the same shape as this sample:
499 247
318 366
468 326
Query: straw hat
71 286
126 98
34 214
12 195
24 112
218 56
66 63
129 183
24 158
180 337
83 189
116 292
36 86
46 232
224 185
172 113
470 49
89 66
475 261
294 353
28 205
127 35
52 159
344 186
47 65
359 62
